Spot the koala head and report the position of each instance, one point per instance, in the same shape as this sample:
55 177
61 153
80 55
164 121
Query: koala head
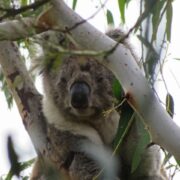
80 87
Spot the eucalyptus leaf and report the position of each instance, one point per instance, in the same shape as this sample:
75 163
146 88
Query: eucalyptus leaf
74 4
122 4
127 118
177 59
169 15
170 105
109 17
178 162
117 90
156 17
142 144
7 93
24 2
13 158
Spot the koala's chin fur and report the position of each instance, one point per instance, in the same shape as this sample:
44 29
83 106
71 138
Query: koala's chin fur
77 93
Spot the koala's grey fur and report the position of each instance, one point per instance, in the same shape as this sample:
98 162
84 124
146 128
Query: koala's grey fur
69 128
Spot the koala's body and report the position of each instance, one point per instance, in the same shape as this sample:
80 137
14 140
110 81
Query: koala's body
77 92
76 95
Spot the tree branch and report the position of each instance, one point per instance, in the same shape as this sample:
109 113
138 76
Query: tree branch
138 93
28 101
27 98
18 29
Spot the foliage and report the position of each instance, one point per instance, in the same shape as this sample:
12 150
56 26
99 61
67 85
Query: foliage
109 17
74 4
122 4
148 27
170 105
16 166
4 88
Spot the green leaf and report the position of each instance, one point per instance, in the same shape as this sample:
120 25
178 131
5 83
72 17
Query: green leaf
169 15
144 140
24 2
6 3
156 17
117 89
170 105
25 178
178 162
74 4
13 158
127 118
109 17
23 166
7 93
121 4
151 58
127 2
177 59
148 8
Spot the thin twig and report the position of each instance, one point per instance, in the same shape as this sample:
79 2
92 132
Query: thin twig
13 12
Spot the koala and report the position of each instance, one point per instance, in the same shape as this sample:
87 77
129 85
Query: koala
77 93
77 96
78 105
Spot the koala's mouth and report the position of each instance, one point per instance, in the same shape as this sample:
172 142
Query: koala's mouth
84 113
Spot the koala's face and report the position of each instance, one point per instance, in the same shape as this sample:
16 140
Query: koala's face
80 87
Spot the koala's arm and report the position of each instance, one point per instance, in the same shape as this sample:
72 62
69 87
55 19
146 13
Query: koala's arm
150 167
80 167
67 153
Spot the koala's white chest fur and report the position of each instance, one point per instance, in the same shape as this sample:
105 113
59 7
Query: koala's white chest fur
54 117
103 132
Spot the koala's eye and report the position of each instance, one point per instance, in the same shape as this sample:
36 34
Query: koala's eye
99 79
63 80
85 67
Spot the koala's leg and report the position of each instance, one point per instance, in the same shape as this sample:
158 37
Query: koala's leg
83 168
151 162
42 170
150 167
69 151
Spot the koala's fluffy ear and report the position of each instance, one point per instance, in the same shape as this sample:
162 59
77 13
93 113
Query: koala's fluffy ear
51 48
45 50
122 36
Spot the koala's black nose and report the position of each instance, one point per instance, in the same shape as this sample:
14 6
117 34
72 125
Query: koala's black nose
80 92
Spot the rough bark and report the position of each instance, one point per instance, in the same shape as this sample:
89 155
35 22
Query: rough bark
26 96
28 101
